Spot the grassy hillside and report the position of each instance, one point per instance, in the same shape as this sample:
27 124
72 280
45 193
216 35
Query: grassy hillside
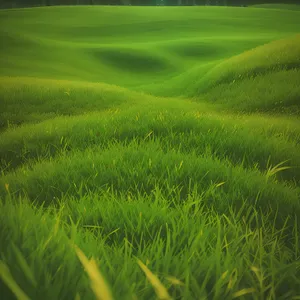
131 46
158 140
265 78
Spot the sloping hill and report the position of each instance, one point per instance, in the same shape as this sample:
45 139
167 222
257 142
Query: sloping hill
263 79
266 78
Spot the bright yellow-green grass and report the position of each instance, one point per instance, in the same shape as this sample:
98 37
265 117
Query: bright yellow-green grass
150 153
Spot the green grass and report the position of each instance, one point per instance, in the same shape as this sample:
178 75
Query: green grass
166 147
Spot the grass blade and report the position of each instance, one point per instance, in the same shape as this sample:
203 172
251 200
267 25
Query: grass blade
24 265
160 290
243 292
98 284
10 282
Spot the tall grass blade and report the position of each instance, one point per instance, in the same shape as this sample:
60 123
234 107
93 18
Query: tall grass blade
24 265
243 292
160 290
98 284
10 282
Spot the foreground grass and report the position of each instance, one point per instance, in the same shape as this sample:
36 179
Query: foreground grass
190 197
194 251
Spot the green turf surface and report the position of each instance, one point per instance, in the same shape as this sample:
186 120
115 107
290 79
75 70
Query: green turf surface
163 135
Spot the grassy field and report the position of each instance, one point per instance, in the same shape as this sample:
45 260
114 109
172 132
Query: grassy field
150 153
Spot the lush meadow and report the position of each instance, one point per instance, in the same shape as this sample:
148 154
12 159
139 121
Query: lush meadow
150 153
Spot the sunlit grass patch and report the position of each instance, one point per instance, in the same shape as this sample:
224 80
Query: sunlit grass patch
26 99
